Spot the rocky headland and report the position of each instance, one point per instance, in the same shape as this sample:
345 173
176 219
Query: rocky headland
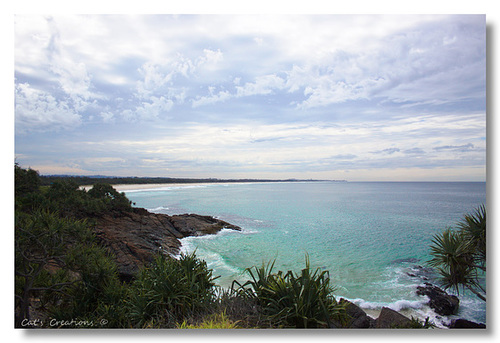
135 237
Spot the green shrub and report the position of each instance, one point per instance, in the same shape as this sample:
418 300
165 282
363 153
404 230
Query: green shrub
302 300
169 290
57 261
214 321
111 198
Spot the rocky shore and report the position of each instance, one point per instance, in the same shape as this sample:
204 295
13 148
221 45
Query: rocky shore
134 238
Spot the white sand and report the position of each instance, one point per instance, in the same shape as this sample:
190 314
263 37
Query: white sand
134 187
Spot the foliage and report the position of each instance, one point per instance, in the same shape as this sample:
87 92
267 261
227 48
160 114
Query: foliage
111 198
415 323
25 180
459 254
65 197
59 263
302 300
215 321
112 180
57 259
45 246
171 289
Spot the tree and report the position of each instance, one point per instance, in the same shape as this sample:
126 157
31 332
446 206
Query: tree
42 242
58 262
459 254
114 199
26 180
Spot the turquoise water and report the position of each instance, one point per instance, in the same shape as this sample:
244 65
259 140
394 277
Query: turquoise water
373 238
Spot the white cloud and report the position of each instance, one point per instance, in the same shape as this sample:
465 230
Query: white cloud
39 111
278 91
263 85
158 76
71 73
210 58
148 110
107 116
212 98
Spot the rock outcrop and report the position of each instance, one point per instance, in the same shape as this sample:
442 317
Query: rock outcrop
356 317
135 237
390 319
441 302
466 324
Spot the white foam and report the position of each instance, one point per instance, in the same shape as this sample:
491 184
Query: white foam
417 309
158 209
398 305
406 304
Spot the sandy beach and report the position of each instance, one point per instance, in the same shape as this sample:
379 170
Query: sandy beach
134 187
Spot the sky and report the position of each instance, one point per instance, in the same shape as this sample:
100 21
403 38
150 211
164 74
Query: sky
352 97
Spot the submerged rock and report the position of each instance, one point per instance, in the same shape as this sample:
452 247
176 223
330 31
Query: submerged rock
441 302
134 238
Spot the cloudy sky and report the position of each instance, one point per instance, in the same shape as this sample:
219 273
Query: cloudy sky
363 97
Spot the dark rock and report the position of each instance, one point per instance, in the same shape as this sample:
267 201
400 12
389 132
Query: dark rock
356 317
134 238
390 319
466 324
196 225
441 302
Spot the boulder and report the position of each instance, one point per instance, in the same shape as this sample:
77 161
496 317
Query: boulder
466 324
356 317
441 302
135 237
390 319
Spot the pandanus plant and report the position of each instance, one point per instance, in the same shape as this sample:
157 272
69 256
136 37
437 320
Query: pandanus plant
459 254
303 300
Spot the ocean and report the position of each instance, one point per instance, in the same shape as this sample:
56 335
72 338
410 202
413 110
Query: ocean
372 237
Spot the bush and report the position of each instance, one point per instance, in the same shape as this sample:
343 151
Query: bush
57 261
25 181
112 199
302 300
169 290
215 321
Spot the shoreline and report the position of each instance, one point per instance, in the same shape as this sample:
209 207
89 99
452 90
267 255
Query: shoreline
148 186
151 186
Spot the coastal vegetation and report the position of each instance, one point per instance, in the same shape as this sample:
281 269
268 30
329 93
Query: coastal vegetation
46 180
459 254
63 272
65 277
302 300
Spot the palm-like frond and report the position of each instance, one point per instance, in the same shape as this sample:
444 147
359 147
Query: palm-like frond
290 299
459 255
473 227
452 256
